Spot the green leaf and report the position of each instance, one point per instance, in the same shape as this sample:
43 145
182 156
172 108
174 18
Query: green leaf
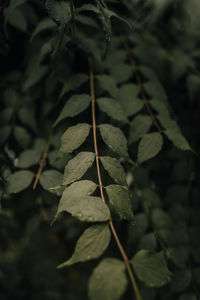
90 245
59 11
149 146
155 90
74 137
114 169
151 268
77 167
73 83
49 179
121 72
22 136
17 19
76 201
28 158
108 84
19 181
112 108
177 139
43 25
73 107
188 296
108 280
181 280
128 98
4 134
120 199
148 242
140 125
115 139
178 255
161 219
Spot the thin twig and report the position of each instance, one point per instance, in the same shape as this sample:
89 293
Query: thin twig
139 82
121 249
44 157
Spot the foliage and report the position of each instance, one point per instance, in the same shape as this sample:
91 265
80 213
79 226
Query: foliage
99 150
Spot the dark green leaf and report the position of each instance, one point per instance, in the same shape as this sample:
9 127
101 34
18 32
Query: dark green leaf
113 109
22 136
148 242
121 72
188 296
108 84
151 268
140 125
76 201
51 178
77 167
74 137
161 219
178 255
177 139
43 25
28 158
108 280
114 169
4 133
120 199
59 11
73 83
149 146
181 280
90 245
17 19
19 181
74 106
115 139
128 98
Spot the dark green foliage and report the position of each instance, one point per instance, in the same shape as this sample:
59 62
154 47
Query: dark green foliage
99 150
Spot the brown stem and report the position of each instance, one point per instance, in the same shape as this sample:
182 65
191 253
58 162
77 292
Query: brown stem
121 249
44 157
140 84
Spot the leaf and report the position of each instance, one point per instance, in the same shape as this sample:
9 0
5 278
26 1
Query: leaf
76 201
107 83
149 146
90 245
28 158
77 167
17 19
140 125
181 280
108 280
43 25
178 255
177 139
161 219
49 179
188 296
73 83
74 137
115 139
19 181
4 134
112 108
121 72
155 90
22 136
59 11
148 242
151 268
128 98
120 199
114 169
74 106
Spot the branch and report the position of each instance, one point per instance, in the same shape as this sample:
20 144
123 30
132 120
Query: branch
121 249
139 82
